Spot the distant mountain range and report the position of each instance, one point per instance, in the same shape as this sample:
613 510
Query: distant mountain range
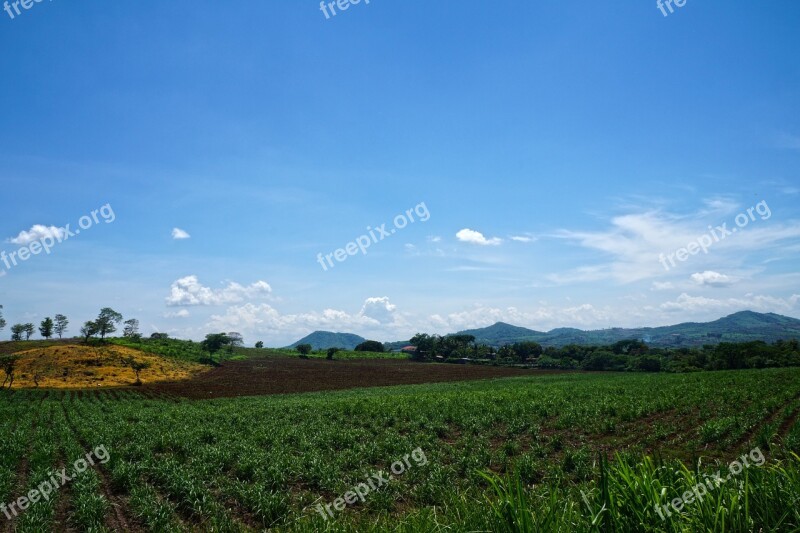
738 327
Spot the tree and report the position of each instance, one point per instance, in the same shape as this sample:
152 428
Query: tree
259 344
214 343
17 331
159 336
131 329
136 366
235 341
46 328
332 352
304 349
61 324
370 346
106 321
8 363
29 330
89 330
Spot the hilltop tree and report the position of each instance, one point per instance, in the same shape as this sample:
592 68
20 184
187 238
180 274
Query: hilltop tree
235 341
106 321
29 330
46 328
61 324
16 332
214 343
131 329
88 330
370 346
259 344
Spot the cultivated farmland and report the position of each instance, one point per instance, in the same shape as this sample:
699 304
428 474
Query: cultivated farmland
508 454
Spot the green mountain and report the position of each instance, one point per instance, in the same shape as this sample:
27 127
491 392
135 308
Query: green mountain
322 340
738 327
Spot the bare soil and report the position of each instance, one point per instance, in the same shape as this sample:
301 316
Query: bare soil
285 375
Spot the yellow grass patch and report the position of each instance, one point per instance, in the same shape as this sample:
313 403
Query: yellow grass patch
73 366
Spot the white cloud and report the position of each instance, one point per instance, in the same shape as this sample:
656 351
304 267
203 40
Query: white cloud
188 291
379 309
662 285
543 318
712 279
181 313
37 233
476 237
688 304
377 316
632 246
178 234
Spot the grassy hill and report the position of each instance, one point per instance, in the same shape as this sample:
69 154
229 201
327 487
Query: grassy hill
64 365
322 340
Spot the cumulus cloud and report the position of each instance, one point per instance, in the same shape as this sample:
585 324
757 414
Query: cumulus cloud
189 291
377 315
712 279
37 233
379 309
476 237
179 234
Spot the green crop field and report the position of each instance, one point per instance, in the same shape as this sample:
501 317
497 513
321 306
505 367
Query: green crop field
518 454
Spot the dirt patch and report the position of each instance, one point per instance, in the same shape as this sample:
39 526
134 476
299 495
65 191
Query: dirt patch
285 375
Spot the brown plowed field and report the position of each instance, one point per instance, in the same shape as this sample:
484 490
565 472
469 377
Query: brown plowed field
283 375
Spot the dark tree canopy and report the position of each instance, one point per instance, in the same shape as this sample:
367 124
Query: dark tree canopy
370 346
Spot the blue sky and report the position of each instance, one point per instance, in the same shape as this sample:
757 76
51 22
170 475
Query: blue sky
576 142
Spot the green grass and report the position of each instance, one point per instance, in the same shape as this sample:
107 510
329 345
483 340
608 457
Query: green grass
519 454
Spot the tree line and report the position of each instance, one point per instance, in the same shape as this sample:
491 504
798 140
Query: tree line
105 324
625 355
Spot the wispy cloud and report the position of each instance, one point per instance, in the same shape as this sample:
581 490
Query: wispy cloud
526 237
